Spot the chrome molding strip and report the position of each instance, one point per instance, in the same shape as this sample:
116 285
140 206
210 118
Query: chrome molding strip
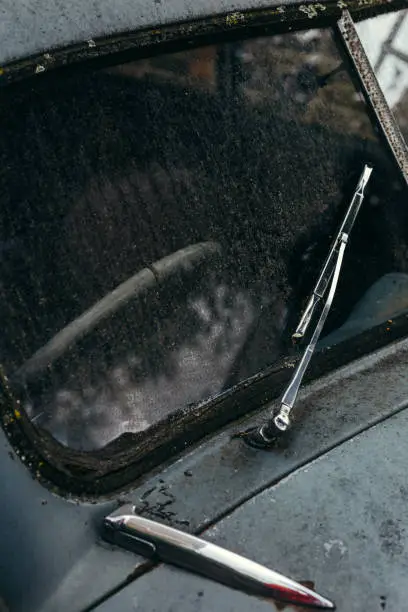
158 541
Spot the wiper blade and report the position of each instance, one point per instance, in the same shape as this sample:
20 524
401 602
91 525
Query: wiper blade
158 541
330 263
265 436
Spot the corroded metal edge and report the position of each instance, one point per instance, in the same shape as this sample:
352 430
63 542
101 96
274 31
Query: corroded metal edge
373 93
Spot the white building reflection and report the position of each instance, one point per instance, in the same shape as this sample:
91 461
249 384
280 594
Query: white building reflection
385 40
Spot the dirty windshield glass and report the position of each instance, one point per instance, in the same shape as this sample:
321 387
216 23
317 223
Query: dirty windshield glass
385 40
163 221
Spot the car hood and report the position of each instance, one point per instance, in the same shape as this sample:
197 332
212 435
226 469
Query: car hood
339 522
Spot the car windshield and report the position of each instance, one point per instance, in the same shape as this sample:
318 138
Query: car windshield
163 221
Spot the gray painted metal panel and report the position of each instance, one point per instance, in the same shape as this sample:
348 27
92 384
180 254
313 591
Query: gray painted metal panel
50 556
28 27
340 522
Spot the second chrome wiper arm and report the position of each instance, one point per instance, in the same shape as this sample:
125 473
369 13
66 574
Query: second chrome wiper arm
330 263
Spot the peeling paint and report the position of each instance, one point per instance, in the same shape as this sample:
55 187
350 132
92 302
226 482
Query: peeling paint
334 545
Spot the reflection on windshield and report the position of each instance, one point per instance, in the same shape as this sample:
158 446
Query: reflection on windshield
385 39
253 146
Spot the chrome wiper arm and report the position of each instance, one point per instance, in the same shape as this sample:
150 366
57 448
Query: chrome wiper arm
265 435
155 540
329 265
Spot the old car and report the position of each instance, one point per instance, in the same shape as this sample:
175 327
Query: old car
204 305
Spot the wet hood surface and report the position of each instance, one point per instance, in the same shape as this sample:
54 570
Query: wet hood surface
340 523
